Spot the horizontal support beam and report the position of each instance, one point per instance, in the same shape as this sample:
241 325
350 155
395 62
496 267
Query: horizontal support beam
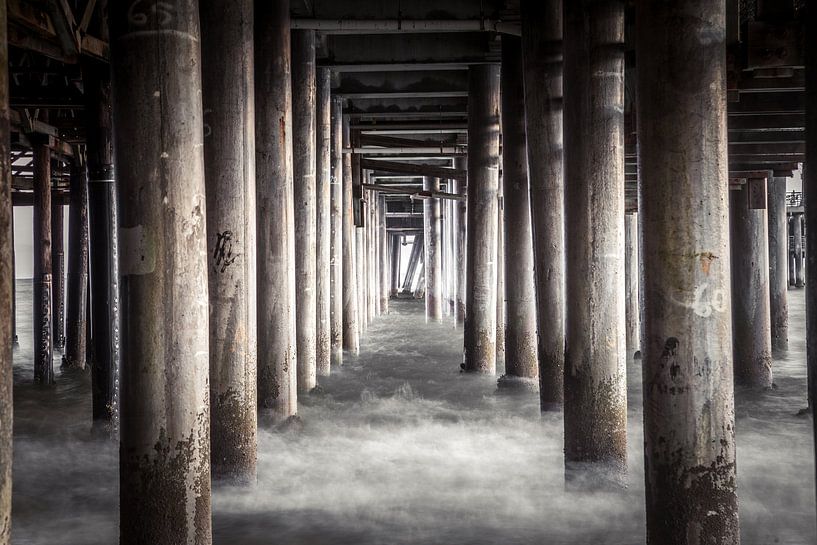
421 195
441 151
411 169
402 94
405 26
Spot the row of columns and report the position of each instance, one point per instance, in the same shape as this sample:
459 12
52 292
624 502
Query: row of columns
709 315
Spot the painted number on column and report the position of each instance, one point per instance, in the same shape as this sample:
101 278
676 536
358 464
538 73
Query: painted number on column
140 12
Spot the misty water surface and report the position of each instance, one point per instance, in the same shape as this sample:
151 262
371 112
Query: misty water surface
401 448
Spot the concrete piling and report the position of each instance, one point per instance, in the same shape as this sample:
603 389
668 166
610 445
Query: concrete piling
542 56
6 289
103 237
277 377
351 319
165 414
303 149
336 236
751 322
689 418
43 302
433 252
778 256
77 293
483 186
632 266
323 222
229 167
595 387
520 291
58 274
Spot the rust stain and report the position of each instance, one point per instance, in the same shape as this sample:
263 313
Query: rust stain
706 261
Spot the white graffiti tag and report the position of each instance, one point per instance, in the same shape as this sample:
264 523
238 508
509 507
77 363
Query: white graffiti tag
706 301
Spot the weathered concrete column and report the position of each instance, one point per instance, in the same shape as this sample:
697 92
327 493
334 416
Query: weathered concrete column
303 149
349 274
778 255
499 261
323 243
58 274
810 207
374 253
371 255
15 341
631 278
433 256
791 259
360 260
6 290
799 260
277 377
165 437
452 254
751 329
483 187
460 210
229 168
542 54
689 418
395 264
103 238
43 303
520 292
383 238
336 235
595 405
77 312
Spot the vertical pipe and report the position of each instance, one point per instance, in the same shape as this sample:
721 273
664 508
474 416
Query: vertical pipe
483 187
799 261
351 333
58 273
43 345
6 289
323 244
751 329
303 149
460 210
542 52
103 239
385 285
689 418
631 278
595 406
336 235
433 258
77 315
165 436
778 242
277 377
229 171
395 264
520 291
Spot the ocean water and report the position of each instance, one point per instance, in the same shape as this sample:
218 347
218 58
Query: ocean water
401 448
